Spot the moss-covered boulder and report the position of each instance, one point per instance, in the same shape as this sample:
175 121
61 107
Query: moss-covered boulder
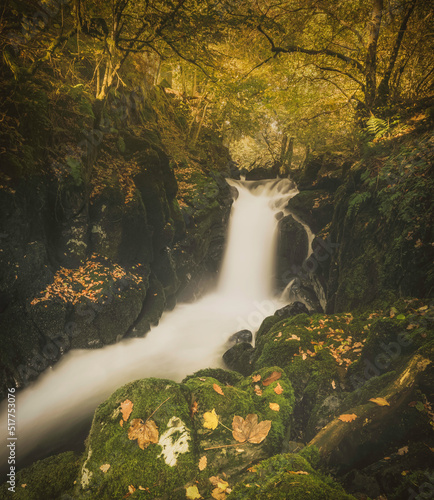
141 437
51 478
272 402
287 477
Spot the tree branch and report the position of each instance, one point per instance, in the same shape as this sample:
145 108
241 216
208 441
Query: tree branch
295 48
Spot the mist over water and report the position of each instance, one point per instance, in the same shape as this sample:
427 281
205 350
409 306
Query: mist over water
191 337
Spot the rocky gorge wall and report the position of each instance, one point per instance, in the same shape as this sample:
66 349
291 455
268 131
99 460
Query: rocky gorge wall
96 245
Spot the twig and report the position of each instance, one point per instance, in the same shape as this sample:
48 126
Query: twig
222 446
156 409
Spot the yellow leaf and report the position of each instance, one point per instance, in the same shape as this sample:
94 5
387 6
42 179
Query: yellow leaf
347 417
203 463
274 406
211 419
380 401
218 494
222 484
218 389
278 389
192 493
105 467
256 378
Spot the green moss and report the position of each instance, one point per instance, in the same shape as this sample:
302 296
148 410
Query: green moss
108 443
46 479
226 377
277 479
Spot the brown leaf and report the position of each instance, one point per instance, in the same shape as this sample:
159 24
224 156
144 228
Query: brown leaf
258 390
278 389
203 463
105 467
380 401
256 378
144 432
249 429
274 406
194 409
126 409
403 450
218 389
347 417
272 378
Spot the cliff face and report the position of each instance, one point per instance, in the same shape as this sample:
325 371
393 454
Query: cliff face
97 241
372 214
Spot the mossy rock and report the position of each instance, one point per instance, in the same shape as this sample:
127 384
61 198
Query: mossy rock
287 477
46 479
157 469
218 444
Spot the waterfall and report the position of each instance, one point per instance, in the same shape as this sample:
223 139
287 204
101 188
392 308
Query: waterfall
191 337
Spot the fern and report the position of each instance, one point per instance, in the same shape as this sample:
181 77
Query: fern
377 127
356 200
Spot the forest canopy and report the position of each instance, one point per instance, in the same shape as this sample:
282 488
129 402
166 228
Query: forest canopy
262 73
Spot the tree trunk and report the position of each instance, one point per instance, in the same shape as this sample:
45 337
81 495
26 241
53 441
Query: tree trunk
343 444
371 54
384 88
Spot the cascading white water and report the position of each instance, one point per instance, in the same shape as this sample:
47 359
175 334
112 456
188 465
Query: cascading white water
189 338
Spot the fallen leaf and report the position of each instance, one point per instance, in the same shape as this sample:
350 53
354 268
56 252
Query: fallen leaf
194 408
143 489
272 378
258 390
105 467
249 429
218 494
347 417
274 406
218 389
403 450
203 463
192 493
126 409
121 422
256 378
380 401
299 472
333 384
211 419
278 389
144 432
24 485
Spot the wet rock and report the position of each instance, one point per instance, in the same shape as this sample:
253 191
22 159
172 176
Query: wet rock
292 248
238 358
241 336
261 173
292 310
315 208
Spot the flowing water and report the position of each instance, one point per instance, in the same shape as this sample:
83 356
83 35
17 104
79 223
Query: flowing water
191 337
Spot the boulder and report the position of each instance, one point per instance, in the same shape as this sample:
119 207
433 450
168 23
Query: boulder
241 336
292 310
238 358
287 477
